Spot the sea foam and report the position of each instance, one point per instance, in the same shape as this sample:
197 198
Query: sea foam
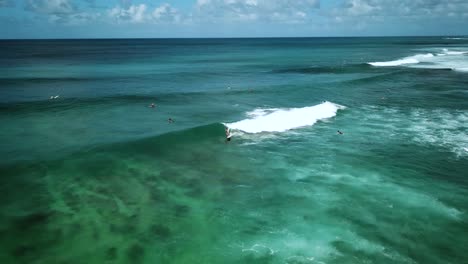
455 60
407 60
280 120
452 52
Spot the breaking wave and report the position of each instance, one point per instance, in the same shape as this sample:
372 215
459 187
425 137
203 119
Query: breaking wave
280 120
407 60
445 59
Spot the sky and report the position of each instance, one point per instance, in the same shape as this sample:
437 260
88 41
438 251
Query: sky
230 18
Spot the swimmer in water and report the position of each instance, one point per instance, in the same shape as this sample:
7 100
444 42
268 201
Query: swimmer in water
152 105
228 134
339 132
170 120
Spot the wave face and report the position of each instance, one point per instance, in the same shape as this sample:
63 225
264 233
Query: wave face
445 59
280 120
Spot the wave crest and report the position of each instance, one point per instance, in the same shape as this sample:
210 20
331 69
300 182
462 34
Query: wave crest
407 60
455 60
280 120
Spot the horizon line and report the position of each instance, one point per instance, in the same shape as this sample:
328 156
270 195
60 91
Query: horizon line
272 37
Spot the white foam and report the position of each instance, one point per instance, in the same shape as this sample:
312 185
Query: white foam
394 63
456 38
280 120
451 52
407 60
261 112
444 58
438 128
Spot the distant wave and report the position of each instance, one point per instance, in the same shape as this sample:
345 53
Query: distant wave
338 69
459 38
280 120
462 69
451 52
445 59
407 60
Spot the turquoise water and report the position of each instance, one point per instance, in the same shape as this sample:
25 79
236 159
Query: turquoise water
97 176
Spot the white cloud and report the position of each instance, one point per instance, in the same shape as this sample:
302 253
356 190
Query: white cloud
301 14
361 7
134 13
384 13
403 8
60 12
164 13
345 14
74 19
247 10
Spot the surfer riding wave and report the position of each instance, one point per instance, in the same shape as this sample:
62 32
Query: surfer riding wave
228 134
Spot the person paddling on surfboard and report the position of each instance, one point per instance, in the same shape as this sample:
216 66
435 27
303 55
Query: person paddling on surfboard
228 134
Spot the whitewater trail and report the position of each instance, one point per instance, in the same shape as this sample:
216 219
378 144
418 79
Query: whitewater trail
407 60
280 120
456 60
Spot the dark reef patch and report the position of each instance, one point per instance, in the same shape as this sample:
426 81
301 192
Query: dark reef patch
135 253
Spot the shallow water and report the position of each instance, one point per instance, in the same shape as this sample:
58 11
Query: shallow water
97 176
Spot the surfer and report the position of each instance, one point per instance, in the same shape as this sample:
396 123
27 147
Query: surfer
339 132
152 105
228 134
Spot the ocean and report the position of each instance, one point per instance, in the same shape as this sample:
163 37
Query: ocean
91 173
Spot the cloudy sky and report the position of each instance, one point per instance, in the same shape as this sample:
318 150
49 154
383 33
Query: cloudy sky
230 18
